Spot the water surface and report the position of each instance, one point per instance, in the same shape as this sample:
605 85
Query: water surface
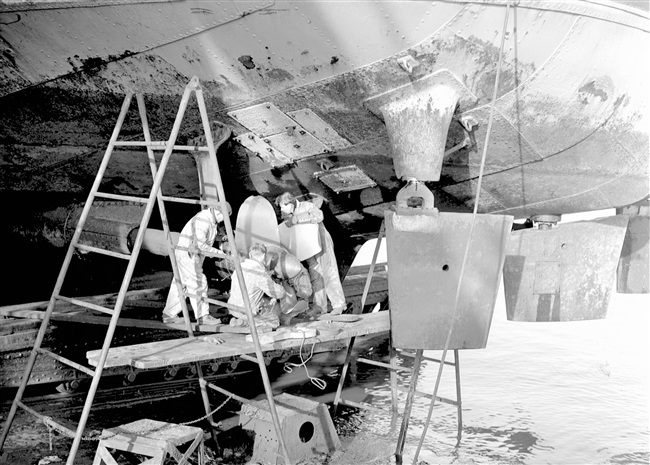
540 393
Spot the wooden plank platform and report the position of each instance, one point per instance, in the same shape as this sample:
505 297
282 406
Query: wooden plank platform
179 351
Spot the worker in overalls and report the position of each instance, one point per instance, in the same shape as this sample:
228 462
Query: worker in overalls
263 292
195 239
323 269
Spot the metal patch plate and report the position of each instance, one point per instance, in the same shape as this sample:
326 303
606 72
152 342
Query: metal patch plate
345 179
313 124
267 153
299 145
264 119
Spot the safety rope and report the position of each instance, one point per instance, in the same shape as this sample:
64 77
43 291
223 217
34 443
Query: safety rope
96 436
53 426
471 233
207 414
289 366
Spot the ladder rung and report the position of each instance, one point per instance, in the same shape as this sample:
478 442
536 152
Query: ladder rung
159 145
207 254
66 361
382 364
350 403
429 396
189 201
128 198
412 355
83 303
89 248
216 302
249 358
48 420
225 392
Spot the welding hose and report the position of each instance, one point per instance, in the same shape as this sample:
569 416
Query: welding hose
471 233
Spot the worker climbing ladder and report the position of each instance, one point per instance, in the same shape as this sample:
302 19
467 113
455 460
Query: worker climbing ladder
214 198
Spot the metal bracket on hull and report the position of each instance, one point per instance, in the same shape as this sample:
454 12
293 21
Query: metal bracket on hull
415 198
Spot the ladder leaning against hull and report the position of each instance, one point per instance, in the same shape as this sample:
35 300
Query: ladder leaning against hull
155 196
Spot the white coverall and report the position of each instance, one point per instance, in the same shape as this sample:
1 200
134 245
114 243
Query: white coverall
323 269
198 234
263 293
262 290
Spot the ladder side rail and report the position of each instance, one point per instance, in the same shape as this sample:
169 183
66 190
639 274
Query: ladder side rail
348 355
371 271
393 380
127 277
64 268
163 213
344 372
458 399
172 258
240 276
408 406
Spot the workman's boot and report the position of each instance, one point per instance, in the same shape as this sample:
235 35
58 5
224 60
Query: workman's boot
169 319
340 310
208 320
300 307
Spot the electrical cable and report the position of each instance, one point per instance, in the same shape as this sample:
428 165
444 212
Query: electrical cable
288 366
471 233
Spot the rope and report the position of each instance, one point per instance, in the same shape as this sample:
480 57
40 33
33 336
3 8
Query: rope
471 233
207 414
53 426
288 366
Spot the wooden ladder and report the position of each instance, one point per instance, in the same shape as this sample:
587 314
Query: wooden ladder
155 196
414 371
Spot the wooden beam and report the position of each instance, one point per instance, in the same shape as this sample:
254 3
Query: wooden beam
18 341
34 309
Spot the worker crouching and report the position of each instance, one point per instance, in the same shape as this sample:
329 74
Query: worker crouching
263 292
